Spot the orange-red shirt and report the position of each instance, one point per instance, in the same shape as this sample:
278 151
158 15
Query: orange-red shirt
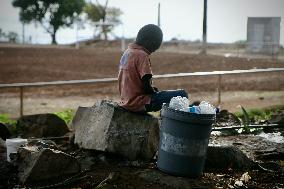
134 64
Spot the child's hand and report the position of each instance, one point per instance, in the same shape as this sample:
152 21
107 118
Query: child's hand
156 89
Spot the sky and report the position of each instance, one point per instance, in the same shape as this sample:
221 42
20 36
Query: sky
181 19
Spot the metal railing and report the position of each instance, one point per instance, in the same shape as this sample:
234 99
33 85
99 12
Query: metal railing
21 86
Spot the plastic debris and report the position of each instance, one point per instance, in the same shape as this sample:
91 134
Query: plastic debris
194 109
203 108
207 108
238 183
179 103
182 104
245 177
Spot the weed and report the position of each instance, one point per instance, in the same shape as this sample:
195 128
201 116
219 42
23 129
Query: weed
259 115
66 115
10 123
255 116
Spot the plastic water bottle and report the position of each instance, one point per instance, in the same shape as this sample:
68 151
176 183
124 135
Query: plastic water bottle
218 109
194 109
203 108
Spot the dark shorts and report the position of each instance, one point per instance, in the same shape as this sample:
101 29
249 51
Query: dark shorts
158 98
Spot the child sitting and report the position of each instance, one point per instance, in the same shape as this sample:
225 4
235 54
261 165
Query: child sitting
135 75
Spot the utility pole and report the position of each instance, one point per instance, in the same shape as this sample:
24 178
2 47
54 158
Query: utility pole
122 40
204 35
159 14
77 38
23 32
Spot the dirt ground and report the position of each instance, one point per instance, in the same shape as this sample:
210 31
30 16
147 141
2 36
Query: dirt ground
10 103
34 64
47 63
109 171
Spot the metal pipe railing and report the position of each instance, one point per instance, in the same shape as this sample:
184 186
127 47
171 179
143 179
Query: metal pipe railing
107 80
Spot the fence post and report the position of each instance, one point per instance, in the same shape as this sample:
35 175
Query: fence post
21 101
219 89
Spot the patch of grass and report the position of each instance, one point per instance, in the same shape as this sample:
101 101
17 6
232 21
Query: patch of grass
66 115
5 118
10 123
256 115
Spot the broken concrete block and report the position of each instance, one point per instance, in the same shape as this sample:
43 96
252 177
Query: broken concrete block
41 125
107 127
38 164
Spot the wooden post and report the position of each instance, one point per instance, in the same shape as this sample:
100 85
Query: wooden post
21 101
219 89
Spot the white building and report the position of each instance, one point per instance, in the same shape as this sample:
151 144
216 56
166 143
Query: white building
263 35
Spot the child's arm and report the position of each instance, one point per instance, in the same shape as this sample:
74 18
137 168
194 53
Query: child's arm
147 84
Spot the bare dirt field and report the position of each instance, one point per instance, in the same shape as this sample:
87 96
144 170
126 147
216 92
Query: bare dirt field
46 63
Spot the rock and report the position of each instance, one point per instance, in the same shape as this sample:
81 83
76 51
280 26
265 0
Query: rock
107 127
41 125
225 157
4 132
86 163
38 164
277 118
225 118
43 144
2 150
7 171
272 166
2 144
272 154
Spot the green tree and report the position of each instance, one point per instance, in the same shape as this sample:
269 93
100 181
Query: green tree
105 18
2 35
12 37
51 14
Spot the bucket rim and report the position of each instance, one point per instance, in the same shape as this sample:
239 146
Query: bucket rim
167 108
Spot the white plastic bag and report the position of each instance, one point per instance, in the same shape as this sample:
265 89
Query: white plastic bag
179 103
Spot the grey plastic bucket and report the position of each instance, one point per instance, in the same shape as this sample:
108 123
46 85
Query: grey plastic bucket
184 140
